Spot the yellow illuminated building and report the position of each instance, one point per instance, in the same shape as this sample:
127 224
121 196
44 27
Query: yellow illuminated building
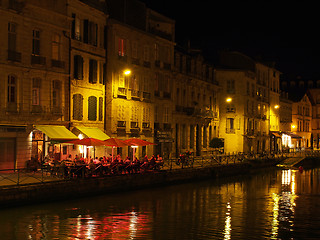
249 103
301 122
87 70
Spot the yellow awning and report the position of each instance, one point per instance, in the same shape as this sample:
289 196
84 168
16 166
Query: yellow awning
93 132
56 132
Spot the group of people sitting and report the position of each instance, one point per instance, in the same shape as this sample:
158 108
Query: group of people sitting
106 165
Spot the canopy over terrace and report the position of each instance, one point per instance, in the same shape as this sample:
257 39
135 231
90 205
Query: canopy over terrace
42 146
56 133
91 132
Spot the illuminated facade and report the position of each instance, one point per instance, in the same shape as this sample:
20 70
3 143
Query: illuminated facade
138 104
301 122
87 68
195 95
249 103
34 72
314 95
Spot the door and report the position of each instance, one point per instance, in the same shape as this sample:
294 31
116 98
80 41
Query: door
8 153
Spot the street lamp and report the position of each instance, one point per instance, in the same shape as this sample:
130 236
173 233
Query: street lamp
228 100
276 106
127 72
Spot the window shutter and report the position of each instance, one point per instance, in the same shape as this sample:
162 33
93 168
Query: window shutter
100 108
92 108
77 107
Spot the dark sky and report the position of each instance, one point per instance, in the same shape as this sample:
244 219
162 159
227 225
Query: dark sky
286 33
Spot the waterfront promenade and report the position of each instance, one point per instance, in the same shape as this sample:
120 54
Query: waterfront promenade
22 187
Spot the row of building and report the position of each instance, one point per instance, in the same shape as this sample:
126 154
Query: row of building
94 68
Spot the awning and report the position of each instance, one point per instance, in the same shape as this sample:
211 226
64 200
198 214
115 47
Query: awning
57 133
93 132
292 135
276 134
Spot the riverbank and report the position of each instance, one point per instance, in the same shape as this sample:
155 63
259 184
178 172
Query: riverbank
76 188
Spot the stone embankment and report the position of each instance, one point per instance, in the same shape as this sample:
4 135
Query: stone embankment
75 188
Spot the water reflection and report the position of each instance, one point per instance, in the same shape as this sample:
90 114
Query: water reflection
227 229
284 205
271 205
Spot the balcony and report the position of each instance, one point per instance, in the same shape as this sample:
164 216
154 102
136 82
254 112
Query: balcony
135 94
146 64
122 92
14 56
57 63
35 59
146 96
230 131
122 58
121 124
56 110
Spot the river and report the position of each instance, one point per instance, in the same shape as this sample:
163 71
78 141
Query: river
271 204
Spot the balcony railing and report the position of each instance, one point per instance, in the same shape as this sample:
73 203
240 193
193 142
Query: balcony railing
146 95
122 92
57 63
230 130
135 94
14 56
38 60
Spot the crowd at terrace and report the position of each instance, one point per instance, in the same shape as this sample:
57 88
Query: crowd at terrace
79 167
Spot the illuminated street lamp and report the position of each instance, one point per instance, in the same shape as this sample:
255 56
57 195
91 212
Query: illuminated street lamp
276 106
127 72
228 100
293 127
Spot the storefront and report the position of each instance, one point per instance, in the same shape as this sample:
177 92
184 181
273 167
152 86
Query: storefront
47 141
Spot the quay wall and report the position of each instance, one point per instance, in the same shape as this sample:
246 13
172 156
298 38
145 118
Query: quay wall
75 188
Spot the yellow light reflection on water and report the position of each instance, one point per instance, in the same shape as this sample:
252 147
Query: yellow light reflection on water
275 220
227 227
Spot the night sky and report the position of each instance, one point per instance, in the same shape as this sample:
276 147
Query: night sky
267 30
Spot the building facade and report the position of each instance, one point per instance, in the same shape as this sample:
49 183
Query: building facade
139 77
34 72
195 95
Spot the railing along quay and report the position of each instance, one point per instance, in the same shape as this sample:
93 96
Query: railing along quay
23 176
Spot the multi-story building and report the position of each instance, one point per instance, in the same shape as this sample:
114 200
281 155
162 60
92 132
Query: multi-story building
268 96
139 77
249 90
195 98
314 96
87 70
34 68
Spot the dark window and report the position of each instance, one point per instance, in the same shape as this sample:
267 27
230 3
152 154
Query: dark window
36 43
56 93
92 71
77 107
92 108
85 31
12 88
78 67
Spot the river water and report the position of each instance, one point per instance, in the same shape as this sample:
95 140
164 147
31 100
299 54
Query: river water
271 204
